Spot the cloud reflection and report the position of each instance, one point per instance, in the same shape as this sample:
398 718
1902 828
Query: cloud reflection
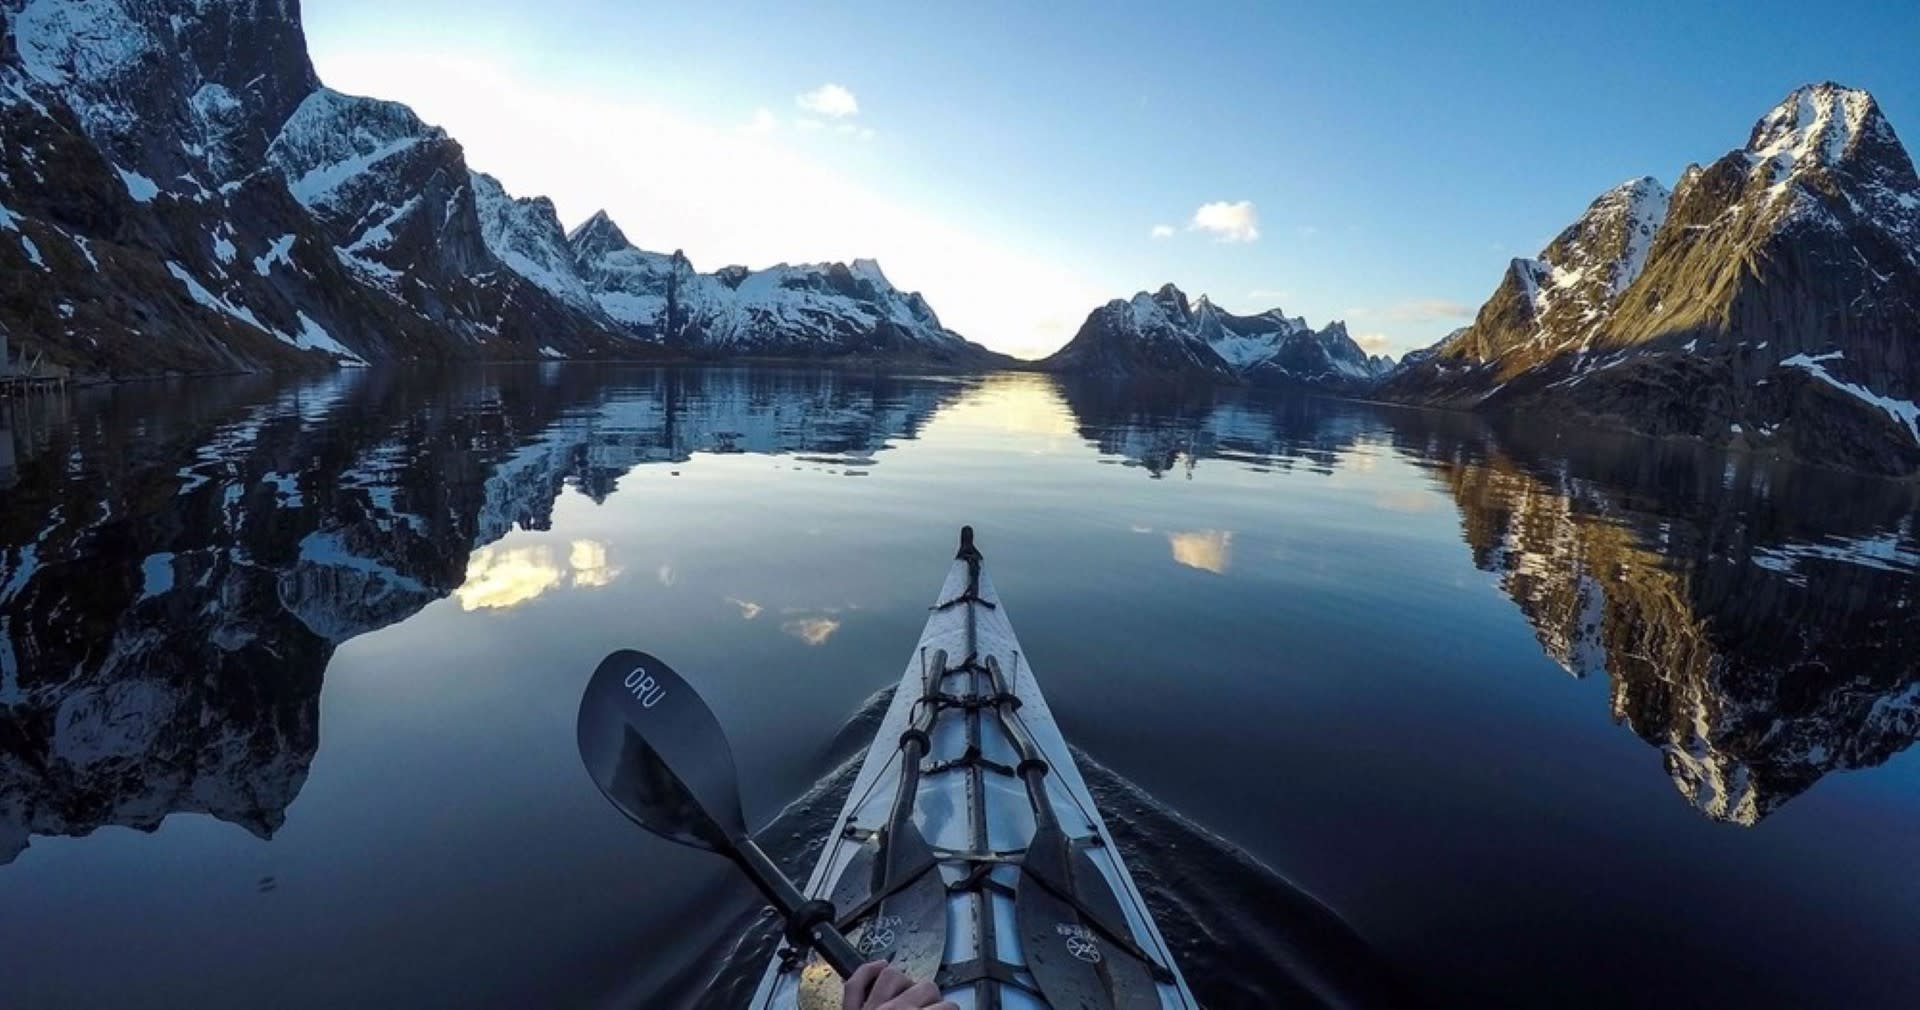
811 630
500 578
1208 550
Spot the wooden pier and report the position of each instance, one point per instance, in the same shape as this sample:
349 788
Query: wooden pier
28 375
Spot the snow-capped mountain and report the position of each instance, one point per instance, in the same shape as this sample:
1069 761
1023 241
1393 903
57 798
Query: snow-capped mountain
1771 300
178 192
1162 334
802 310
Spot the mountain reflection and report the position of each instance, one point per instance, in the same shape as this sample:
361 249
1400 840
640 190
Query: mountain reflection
1163 428
1757 621
176 570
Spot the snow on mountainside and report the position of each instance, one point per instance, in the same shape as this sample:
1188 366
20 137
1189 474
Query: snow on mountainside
804 310
178 192
1802 246
1162 334
526 236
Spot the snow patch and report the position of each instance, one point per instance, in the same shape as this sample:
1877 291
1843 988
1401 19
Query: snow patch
1904 412
276 253
141 188
199 293
156 575
314 337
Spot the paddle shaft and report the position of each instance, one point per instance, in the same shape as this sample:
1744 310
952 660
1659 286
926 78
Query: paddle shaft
787 900
1033 766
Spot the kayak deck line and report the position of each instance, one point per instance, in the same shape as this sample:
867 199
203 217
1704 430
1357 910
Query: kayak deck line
1057 924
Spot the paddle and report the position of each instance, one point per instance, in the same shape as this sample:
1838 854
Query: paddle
1072 927
896 871
657 752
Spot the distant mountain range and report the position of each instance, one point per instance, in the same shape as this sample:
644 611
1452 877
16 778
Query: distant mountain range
184 195
1162 334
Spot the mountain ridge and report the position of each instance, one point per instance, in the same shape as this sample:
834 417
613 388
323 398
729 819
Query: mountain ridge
219 208
1773 304
1163 336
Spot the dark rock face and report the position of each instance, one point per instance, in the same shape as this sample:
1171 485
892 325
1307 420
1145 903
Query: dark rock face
1770 301
178 193
1164 337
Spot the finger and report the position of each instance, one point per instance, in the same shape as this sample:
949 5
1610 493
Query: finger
892 983
859 984
917 997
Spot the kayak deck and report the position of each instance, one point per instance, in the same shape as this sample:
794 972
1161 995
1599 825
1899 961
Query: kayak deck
969 689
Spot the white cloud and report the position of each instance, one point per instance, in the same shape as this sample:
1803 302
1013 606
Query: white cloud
1228 222
748 609
1374 343
1162 231
831 101
667 575
1418 310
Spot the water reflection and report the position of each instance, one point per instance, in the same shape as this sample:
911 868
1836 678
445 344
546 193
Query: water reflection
177 566
1756 620
1207 550
176 570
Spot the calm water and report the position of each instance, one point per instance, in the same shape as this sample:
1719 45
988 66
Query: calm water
288 675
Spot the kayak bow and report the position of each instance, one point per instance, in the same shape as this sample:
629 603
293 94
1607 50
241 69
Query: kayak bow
969 850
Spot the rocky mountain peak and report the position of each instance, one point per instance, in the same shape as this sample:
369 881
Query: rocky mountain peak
1818 123
1769 300
1174 299
597 236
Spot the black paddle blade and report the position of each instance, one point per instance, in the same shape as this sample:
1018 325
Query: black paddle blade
657 752
907 927
1075 967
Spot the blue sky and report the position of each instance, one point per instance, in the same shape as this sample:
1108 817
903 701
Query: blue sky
1013 161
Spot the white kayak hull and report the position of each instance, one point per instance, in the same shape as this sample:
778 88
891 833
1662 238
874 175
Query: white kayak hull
960 804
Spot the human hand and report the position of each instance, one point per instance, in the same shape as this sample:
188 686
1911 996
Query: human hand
880 986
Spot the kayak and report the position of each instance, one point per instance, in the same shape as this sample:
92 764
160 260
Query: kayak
969 850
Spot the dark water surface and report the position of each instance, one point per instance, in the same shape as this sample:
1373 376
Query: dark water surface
1548 719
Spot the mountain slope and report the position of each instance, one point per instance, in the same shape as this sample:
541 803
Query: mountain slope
1162 335
179 193
1776 303
806 310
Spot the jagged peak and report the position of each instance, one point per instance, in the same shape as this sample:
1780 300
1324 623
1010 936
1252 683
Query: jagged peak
869 271
1174 300
599 234
1816 124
